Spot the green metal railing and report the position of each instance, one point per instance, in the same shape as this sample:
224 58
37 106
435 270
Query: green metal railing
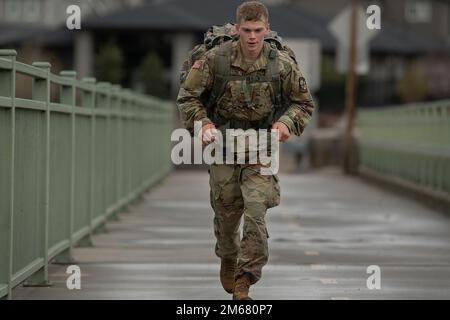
409 142
68 166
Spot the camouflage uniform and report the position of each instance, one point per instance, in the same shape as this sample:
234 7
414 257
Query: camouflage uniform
240 189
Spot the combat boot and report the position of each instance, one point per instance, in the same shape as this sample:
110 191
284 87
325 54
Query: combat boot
241 288
227 270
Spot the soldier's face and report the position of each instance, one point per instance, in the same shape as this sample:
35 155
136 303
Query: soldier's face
252 35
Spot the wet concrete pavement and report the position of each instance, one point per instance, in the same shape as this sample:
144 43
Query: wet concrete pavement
328 229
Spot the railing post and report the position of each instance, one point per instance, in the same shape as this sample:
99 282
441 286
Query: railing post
102 102
131 148
7 138
121 148
153 134
67 97
135 151
89 102
109 160
147 133
127 143
115 136
41 92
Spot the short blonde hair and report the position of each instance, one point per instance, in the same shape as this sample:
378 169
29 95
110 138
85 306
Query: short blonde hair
252 11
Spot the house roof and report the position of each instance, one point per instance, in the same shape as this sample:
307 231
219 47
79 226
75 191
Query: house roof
13 33
199 15
400 40
290 21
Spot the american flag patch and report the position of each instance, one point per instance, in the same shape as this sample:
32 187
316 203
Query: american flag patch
198 64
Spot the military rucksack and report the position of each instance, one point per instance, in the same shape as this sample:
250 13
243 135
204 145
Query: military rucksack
218 35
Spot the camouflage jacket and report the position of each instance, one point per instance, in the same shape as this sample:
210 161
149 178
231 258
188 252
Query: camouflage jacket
232 103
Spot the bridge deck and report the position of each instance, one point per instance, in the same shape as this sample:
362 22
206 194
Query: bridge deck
327 231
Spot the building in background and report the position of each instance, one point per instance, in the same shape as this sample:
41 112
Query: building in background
409 57
37 30
52 13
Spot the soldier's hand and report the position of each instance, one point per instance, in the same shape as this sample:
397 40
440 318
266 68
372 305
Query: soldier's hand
283 131
207 133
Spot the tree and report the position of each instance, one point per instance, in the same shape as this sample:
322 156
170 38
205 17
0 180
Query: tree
151 69
109 63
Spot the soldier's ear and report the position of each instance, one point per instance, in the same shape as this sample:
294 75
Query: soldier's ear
234 28
267 28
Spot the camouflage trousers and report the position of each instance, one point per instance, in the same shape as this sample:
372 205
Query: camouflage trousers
241 190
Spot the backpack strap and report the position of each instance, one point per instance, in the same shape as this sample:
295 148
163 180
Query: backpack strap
273 76
222 69
222 74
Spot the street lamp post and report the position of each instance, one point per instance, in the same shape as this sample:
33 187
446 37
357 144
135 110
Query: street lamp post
350 95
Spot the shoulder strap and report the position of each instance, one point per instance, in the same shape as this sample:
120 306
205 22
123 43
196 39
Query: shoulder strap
273 75
222 69
222 73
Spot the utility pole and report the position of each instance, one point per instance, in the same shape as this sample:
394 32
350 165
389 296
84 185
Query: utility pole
350 93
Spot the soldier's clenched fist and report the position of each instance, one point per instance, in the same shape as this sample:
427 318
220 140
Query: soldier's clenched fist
283 131
207 133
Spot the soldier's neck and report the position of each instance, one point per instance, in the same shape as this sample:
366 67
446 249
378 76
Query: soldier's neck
248 57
